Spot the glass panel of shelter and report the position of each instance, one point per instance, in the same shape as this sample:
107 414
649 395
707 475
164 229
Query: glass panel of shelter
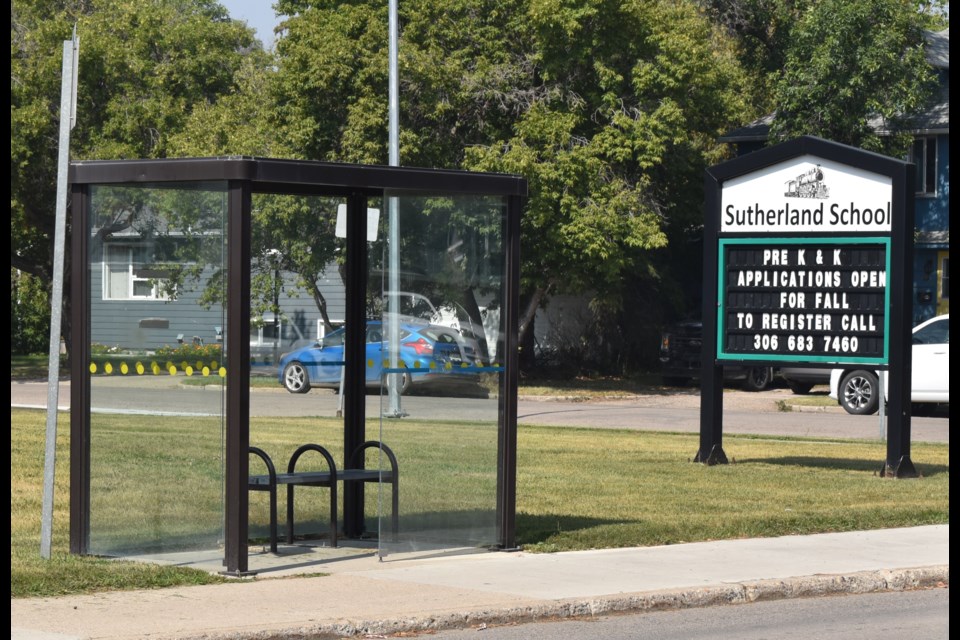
155 271
297 307
439 406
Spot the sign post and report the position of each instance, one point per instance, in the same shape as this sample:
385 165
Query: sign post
68 117
807 261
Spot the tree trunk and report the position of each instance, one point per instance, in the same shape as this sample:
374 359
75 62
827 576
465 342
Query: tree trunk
473 311
321 303
526 331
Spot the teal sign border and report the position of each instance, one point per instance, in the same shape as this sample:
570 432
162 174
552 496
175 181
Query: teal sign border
844 358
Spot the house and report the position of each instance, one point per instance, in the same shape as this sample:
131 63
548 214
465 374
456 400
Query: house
931 155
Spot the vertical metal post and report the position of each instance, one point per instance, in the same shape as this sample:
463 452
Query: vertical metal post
79 374
68 111
882 375
898 463
393 217
510 361
711 376
354 352
236 347
275 258
394 88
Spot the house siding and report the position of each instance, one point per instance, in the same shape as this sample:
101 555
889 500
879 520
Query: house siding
152 324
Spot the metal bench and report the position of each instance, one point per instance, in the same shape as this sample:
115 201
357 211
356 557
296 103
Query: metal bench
329 478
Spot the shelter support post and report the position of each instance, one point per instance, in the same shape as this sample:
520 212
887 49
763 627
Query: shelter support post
354 415
236 523
507 441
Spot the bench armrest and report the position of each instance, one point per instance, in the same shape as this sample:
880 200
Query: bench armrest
271 470
331 465
356 458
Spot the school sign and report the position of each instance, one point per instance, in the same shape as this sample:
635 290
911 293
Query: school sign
803 263
807 259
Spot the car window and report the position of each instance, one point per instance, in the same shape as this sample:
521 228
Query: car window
374 334
382 334
416 305
934 333
334 339
439 336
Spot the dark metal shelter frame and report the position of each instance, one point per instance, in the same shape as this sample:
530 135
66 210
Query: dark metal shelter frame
245 176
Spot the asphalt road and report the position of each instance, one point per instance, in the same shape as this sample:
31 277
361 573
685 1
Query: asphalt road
918 614
663 409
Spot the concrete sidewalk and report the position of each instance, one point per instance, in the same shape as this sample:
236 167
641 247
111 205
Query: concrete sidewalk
362 595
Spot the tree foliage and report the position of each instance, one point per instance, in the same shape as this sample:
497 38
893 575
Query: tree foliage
29 314
852 72
143 68
609 107
845 70
761 29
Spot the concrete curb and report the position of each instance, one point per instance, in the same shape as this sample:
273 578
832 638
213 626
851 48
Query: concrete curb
735 593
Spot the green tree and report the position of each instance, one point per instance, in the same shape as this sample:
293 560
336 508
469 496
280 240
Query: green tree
853 70
618 173
29 313
761 29
609 107
289 234
143 68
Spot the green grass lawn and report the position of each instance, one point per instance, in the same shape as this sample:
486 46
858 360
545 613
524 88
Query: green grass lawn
576 489
34 366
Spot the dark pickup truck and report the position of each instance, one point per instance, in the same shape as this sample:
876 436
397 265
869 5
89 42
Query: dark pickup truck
680 347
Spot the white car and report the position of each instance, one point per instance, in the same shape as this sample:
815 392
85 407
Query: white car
856 389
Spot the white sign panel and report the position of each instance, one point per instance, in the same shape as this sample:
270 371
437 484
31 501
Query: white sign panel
807 194
373 221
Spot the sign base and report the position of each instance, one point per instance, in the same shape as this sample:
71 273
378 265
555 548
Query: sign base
717 456
902 469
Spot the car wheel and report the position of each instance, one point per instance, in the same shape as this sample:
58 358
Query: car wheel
859 392
800 388
295 378
758 378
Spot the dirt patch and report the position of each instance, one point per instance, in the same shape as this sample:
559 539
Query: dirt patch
770 400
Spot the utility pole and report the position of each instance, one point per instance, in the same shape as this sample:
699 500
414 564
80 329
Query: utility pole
393 217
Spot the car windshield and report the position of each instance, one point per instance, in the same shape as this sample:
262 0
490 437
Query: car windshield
439 335
375 333
934 333
333 339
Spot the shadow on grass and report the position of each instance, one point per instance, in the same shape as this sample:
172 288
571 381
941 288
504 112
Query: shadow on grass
846 464
34 367
534 529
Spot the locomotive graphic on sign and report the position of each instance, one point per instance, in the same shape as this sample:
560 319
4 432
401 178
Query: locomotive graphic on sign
808 184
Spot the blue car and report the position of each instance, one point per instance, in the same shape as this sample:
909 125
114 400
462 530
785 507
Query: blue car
426 353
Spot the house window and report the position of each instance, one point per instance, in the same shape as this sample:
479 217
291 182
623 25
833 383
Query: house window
945 278
127 274
924 156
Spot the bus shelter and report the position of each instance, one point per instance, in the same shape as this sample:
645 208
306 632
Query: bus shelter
228 306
